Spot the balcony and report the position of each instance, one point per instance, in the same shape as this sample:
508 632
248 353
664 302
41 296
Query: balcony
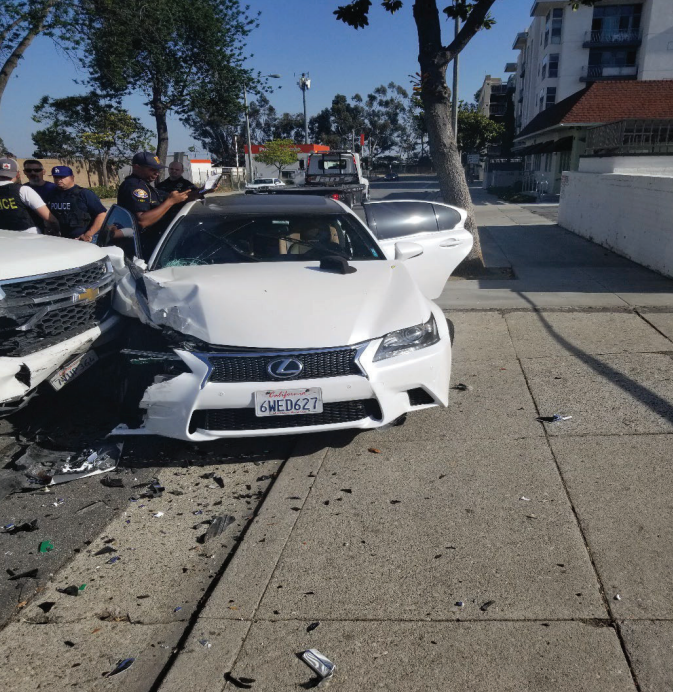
497 110
595 73
609 39
520 40
510 67
631 137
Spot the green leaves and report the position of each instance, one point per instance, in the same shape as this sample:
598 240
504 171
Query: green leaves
278 153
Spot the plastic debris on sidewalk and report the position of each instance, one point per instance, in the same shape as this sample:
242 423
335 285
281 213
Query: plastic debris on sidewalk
618 597
312 626
123 665
30 574
556 418
241 683
44 467
46 547
205 643
217 526
70 590
462 387
110 482
524 498
486 606
17 528
319 664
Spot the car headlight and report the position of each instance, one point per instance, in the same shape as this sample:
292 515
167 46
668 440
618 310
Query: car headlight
409 339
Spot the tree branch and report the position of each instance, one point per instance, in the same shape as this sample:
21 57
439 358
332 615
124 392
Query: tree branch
474 22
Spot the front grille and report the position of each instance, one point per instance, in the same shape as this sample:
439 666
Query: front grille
229 368
55 284
419 397
245 418
56 326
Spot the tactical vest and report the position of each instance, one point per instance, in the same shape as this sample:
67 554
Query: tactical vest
14 214
69 207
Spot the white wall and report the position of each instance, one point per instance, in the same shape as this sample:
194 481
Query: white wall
656 53
639 165
630 214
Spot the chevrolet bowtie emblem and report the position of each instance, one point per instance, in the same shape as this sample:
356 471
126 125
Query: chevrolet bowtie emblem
86 295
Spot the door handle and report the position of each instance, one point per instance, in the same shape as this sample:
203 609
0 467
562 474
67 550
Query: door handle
451 242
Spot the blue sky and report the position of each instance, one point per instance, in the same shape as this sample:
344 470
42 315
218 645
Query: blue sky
294 36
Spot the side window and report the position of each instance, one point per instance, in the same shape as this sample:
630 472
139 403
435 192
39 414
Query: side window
401 219
119 229
447 218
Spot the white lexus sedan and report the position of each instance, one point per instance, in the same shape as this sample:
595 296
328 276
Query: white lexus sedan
271 315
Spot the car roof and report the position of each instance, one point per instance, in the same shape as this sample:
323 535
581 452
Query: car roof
267 204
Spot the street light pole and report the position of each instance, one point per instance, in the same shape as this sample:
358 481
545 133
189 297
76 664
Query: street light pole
304 84
454 105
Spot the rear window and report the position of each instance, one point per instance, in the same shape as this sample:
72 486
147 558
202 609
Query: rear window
232 239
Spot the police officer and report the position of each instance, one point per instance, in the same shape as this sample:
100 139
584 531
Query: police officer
175 180
79 211
150 207
21 208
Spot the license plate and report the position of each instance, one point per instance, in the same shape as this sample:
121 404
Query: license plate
73 369
286 402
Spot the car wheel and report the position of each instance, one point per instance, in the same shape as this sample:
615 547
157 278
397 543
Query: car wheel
452 329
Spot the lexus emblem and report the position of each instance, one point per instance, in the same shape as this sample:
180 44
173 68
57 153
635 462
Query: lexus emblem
282 368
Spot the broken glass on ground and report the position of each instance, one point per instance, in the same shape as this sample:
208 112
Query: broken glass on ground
42 466
217 526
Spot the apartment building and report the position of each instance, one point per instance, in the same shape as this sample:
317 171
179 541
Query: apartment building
564 50
493 97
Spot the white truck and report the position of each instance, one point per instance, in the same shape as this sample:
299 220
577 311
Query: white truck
336 174
55 305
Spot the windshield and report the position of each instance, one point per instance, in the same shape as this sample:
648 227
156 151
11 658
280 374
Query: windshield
231 239
263 181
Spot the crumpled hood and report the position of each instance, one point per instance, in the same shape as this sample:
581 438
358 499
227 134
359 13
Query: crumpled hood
285 305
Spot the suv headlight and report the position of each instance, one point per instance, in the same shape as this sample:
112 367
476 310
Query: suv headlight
409 339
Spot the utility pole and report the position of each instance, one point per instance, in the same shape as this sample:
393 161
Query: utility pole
304 84
454 105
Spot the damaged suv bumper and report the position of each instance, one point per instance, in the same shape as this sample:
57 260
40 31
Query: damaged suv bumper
208 403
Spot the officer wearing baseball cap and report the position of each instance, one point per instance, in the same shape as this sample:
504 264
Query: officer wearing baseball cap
79 211
21 208
150 207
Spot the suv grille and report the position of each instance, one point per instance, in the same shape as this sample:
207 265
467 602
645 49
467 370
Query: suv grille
245 418
228 368
56 326
55 284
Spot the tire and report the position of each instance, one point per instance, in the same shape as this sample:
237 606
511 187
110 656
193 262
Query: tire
452 330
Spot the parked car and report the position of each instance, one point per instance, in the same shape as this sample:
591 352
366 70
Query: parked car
285 314
391 175
55 309
263 183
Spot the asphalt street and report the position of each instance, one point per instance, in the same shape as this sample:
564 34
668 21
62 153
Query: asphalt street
473 548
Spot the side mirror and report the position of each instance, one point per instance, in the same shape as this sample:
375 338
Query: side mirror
405 250
116 255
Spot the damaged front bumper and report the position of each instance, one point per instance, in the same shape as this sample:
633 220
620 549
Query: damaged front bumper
47 319
215 397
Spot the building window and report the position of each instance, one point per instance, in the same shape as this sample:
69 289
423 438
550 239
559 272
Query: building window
553 26
553 65
547 163
545 60
551 96
537 162
564 161
541 101
614 20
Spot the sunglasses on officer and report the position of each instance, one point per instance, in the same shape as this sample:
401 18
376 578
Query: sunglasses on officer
33 170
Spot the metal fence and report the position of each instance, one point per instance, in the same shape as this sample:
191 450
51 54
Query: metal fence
613 37
631 137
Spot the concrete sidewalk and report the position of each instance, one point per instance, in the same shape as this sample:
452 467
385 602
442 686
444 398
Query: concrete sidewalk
474 548
553 267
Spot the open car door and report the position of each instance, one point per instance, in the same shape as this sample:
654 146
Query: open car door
438 228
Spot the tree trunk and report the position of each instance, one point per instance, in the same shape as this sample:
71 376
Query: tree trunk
436 98
106 181
160 112
14 57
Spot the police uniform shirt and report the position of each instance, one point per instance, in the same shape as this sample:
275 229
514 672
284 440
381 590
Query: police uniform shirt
75 209
30 199
181 184
44 190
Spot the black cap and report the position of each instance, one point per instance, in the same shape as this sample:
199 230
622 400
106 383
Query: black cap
147 158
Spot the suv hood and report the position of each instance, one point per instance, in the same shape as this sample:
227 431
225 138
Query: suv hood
285 305
30 254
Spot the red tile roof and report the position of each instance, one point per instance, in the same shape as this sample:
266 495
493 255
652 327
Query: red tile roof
604 102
